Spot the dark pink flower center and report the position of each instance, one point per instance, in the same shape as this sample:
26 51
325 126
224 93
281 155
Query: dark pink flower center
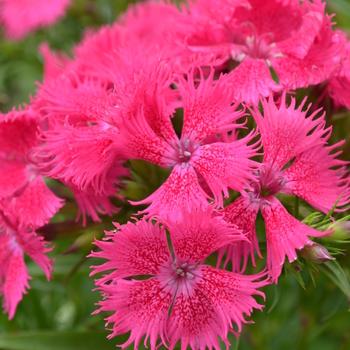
185 150
258 47
182 271
269 183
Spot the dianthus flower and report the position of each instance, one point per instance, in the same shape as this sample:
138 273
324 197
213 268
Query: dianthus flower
147 133
22 186
294 39
181 300
314 175
15 240
20 17
339 85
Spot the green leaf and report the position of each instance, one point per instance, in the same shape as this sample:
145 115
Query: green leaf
338 276
72 340
276 298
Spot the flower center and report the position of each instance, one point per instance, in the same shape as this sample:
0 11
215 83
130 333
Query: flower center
186 148
268 184
257 47
181 271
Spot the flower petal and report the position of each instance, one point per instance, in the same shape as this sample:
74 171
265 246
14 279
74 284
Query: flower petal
181 189
81 155
16 282
226 165
134 250
36 205
252 79
317 66
286 132
21 17
230 294
284 234
14 177
141 307
193 320
242 213
198 234
35 246
208 108
319 178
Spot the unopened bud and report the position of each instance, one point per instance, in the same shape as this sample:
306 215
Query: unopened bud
316 253
341 231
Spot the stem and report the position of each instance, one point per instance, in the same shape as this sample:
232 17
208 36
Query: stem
296 208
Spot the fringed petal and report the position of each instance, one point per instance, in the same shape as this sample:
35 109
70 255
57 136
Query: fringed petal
16 282
35 246
140 307
319 178
81 155
252 79
133 250
36 205
286 132
231 295
242 213
193 320
54 62
181 189
14 177
21 17
226 166
208 108
198 234
320 63
81 99
311 17
284 234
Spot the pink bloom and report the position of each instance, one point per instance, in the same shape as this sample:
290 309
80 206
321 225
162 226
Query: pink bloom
20 17
54 62
315 175
295 39
22 187
204 301
15 240
339 86
146 133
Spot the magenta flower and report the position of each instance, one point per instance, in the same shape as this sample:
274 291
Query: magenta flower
147 133
339 85
20 17
293 38
314 175
15 239
204 301
22 187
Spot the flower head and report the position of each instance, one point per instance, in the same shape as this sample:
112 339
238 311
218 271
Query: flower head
203 301
314 175
15 240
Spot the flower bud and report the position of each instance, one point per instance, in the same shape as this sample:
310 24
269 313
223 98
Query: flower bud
341 231
316 253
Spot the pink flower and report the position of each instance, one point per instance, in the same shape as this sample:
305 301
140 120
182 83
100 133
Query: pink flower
22 187
15 240
20 17
339 85
315 175
146 132
204 301
293 39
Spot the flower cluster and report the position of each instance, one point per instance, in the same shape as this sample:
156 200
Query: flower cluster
211 62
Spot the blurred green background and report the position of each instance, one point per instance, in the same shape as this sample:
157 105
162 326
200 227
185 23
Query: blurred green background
56 315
